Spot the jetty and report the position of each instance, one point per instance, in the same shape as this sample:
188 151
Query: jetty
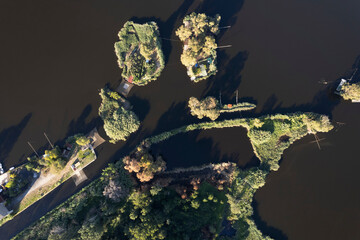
338 89
344 81
125 87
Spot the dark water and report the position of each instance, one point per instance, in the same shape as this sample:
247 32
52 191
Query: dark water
56 55
203 147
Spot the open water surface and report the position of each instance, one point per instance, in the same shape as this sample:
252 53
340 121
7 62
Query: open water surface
56 55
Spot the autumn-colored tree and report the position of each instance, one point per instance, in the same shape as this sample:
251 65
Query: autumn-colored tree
145 167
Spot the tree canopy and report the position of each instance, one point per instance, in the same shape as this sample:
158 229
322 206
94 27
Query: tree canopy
198 34
119 123
207 107
350 91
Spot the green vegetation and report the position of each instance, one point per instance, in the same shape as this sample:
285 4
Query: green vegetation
119 123
269 135
53 166
82 141
86 155
177 204
350 91
19 180
139 52
199 55
53 159
143 164
211 108
83 215
96 212
240 197
207 107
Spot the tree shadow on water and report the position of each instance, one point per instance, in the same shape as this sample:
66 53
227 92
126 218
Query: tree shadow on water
323 103
176 116
166 28
9 136
184 150
230 77
142 107
227 9
274 233
80 125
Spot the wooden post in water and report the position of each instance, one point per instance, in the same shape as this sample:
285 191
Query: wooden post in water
225 46
317 141
237 96
353 74
52 146
220 98
225 27
33 149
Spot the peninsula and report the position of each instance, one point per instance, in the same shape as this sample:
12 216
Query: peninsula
136 198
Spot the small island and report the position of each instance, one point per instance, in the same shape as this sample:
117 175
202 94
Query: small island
211 108
199 54
139 52
115 111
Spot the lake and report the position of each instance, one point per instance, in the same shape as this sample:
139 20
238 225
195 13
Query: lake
56 55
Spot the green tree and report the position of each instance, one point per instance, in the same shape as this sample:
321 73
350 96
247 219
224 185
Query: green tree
53 158
350 91
119 123
208 107
82 141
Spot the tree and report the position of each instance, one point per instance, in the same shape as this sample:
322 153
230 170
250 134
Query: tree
119 123
110 173
209 107
145 167
82 141
91 230
115 191
52 158
183 32
209 45
197 32
188 58
350 91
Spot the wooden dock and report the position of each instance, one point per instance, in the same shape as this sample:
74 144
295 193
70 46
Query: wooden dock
124 88
338 89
